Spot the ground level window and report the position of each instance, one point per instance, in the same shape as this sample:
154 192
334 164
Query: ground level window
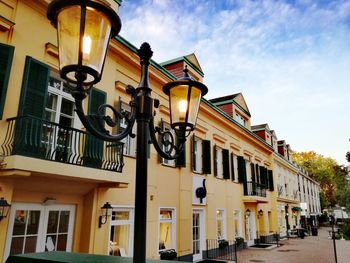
166 229
220 219
120 242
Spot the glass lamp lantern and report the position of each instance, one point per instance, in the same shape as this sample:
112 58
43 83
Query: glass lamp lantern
184 98
4 208
84 31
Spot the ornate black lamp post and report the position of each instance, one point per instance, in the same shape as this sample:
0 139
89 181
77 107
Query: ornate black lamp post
332 221
85 28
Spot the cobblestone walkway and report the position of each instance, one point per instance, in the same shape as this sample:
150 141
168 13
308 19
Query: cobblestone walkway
318 249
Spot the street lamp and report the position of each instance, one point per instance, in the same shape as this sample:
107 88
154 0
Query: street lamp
84 30
332 221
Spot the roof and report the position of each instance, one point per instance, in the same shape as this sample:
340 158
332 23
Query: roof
237 99
190 59
264 126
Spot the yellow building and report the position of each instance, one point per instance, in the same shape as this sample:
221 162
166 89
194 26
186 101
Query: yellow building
57 177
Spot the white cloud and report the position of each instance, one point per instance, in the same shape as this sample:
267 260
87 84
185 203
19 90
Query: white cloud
290 61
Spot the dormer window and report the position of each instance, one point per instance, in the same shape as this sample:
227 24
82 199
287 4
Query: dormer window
240 119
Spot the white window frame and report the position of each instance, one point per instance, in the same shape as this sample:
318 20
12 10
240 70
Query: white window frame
43 220
129 222
237 217
223 223
235 168
129 148
219 165
240 119
173 227
197 152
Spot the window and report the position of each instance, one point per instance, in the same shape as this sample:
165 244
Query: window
6 55
166 229
201 156
59 109
129 142
240 119
234 168
237 222
121 241
197 155
221 163
166 127
221 225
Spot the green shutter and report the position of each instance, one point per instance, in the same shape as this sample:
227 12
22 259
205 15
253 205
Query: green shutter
226 164
93 152
28 131
257 174
215 161
232 167
6 55
34 88
242 173
252 167
206 157
193 154
271 185
181 160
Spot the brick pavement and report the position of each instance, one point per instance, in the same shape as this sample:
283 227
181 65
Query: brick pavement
318 249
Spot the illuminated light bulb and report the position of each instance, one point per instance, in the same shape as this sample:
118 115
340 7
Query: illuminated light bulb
182 106
87 45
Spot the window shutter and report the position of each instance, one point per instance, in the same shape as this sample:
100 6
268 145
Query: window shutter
232 167
161 127
271 184
206 157
226 163
242 173
118 106
34 88
93 153
215 161
28 132
262 177
252 166
193 154
181 160
6 55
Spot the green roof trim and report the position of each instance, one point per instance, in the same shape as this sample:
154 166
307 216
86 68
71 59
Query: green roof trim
119 2
152 62
175 60
231 101
213 106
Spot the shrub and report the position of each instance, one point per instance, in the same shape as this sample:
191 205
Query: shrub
239 241
223 243
168 254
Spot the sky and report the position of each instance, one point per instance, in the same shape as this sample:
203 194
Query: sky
290 59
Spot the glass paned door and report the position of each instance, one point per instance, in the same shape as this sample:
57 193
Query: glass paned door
57 230
25 231
38 228
59 109
198 236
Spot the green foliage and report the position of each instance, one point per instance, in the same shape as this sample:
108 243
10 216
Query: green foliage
335 186
345 229
223 243
168 254
239 241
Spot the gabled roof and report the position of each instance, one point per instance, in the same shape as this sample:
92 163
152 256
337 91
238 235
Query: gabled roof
264 126
236 99
190 59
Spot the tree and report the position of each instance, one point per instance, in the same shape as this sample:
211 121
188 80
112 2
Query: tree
332 177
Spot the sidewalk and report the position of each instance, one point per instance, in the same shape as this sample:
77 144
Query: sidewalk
318 249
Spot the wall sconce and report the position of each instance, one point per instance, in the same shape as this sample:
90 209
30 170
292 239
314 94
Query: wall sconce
103 218
261 212
4 208
247 213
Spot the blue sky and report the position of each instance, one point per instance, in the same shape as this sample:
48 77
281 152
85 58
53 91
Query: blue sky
290 59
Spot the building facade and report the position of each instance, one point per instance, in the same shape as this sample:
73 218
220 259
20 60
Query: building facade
57 177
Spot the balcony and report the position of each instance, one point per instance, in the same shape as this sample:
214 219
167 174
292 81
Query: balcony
37 138
254 192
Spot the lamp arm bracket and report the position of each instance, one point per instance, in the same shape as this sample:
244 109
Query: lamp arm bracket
95 123
167 139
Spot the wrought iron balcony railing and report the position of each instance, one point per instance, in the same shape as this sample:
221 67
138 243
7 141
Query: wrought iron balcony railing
34 137
254 189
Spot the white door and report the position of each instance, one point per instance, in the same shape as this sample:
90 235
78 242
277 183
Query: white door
38 228
250 229
198 234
